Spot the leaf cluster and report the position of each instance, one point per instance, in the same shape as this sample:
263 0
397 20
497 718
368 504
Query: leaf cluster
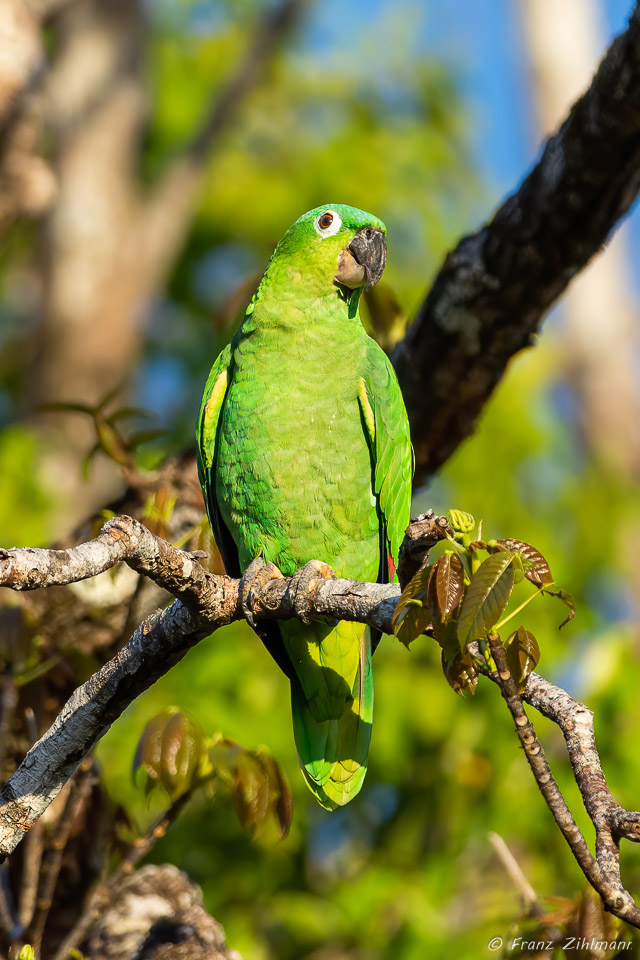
177 758
461 598
111 440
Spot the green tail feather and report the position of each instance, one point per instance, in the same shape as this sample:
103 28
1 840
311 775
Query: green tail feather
333 752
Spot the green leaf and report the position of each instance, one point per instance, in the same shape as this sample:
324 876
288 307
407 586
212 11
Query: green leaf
27 953
145 436
536 568
566 599
486 597
112 444
412 615
447 585
523 653
127 413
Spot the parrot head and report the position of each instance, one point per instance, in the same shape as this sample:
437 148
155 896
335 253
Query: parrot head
337 245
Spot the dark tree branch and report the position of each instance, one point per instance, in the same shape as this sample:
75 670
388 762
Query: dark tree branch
491 293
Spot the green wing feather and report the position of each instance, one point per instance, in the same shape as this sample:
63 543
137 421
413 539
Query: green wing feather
209 420
387 428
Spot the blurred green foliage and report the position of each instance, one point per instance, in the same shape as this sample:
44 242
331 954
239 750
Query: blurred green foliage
406 870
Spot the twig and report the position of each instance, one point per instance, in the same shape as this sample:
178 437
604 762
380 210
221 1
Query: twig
79 787
527 893
102 892
603 870
8 917
8 704
30 873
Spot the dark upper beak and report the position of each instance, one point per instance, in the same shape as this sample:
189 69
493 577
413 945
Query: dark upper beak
369 248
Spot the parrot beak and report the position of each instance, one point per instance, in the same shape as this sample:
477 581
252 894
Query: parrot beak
369 249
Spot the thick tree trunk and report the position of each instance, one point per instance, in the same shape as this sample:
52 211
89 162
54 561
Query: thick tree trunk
563 41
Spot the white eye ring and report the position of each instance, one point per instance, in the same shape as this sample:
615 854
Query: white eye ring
333 227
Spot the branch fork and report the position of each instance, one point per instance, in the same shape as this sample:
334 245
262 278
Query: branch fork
204 602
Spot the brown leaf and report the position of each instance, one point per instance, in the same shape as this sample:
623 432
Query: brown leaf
522 653
411 615
170 749
250 792
461 673
536 568
448 573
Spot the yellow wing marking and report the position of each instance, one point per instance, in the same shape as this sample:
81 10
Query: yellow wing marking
212 412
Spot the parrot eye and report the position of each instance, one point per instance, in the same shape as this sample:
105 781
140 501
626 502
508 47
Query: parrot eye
328 223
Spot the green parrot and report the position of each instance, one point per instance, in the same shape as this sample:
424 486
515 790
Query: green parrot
304 455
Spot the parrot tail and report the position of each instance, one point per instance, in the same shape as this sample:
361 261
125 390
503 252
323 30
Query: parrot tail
333 751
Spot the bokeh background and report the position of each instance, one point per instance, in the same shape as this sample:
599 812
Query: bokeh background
131 273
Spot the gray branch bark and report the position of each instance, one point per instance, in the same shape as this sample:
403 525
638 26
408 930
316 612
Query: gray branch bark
204 602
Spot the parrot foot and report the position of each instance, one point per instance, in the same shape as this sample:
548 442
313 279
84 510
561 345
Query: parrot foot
254 580
301 587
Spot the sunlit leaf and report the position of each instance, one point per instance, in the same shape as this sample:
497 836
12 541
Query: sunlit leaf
448 577
486 597
536 568
522 653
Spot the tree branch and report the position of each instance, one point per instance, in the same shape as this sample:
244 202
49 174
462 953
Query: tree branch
609 819
490 295
206 602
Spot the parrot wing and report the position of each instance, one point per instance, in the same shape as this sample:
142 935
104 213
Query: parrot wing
209 419
387 430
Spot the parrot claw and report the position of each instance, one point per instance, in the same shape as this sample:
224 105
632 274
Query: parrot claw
301 586
255 578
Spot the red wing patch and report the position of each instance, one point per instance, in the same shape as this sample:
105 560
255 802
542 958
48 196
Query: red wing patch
392 567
